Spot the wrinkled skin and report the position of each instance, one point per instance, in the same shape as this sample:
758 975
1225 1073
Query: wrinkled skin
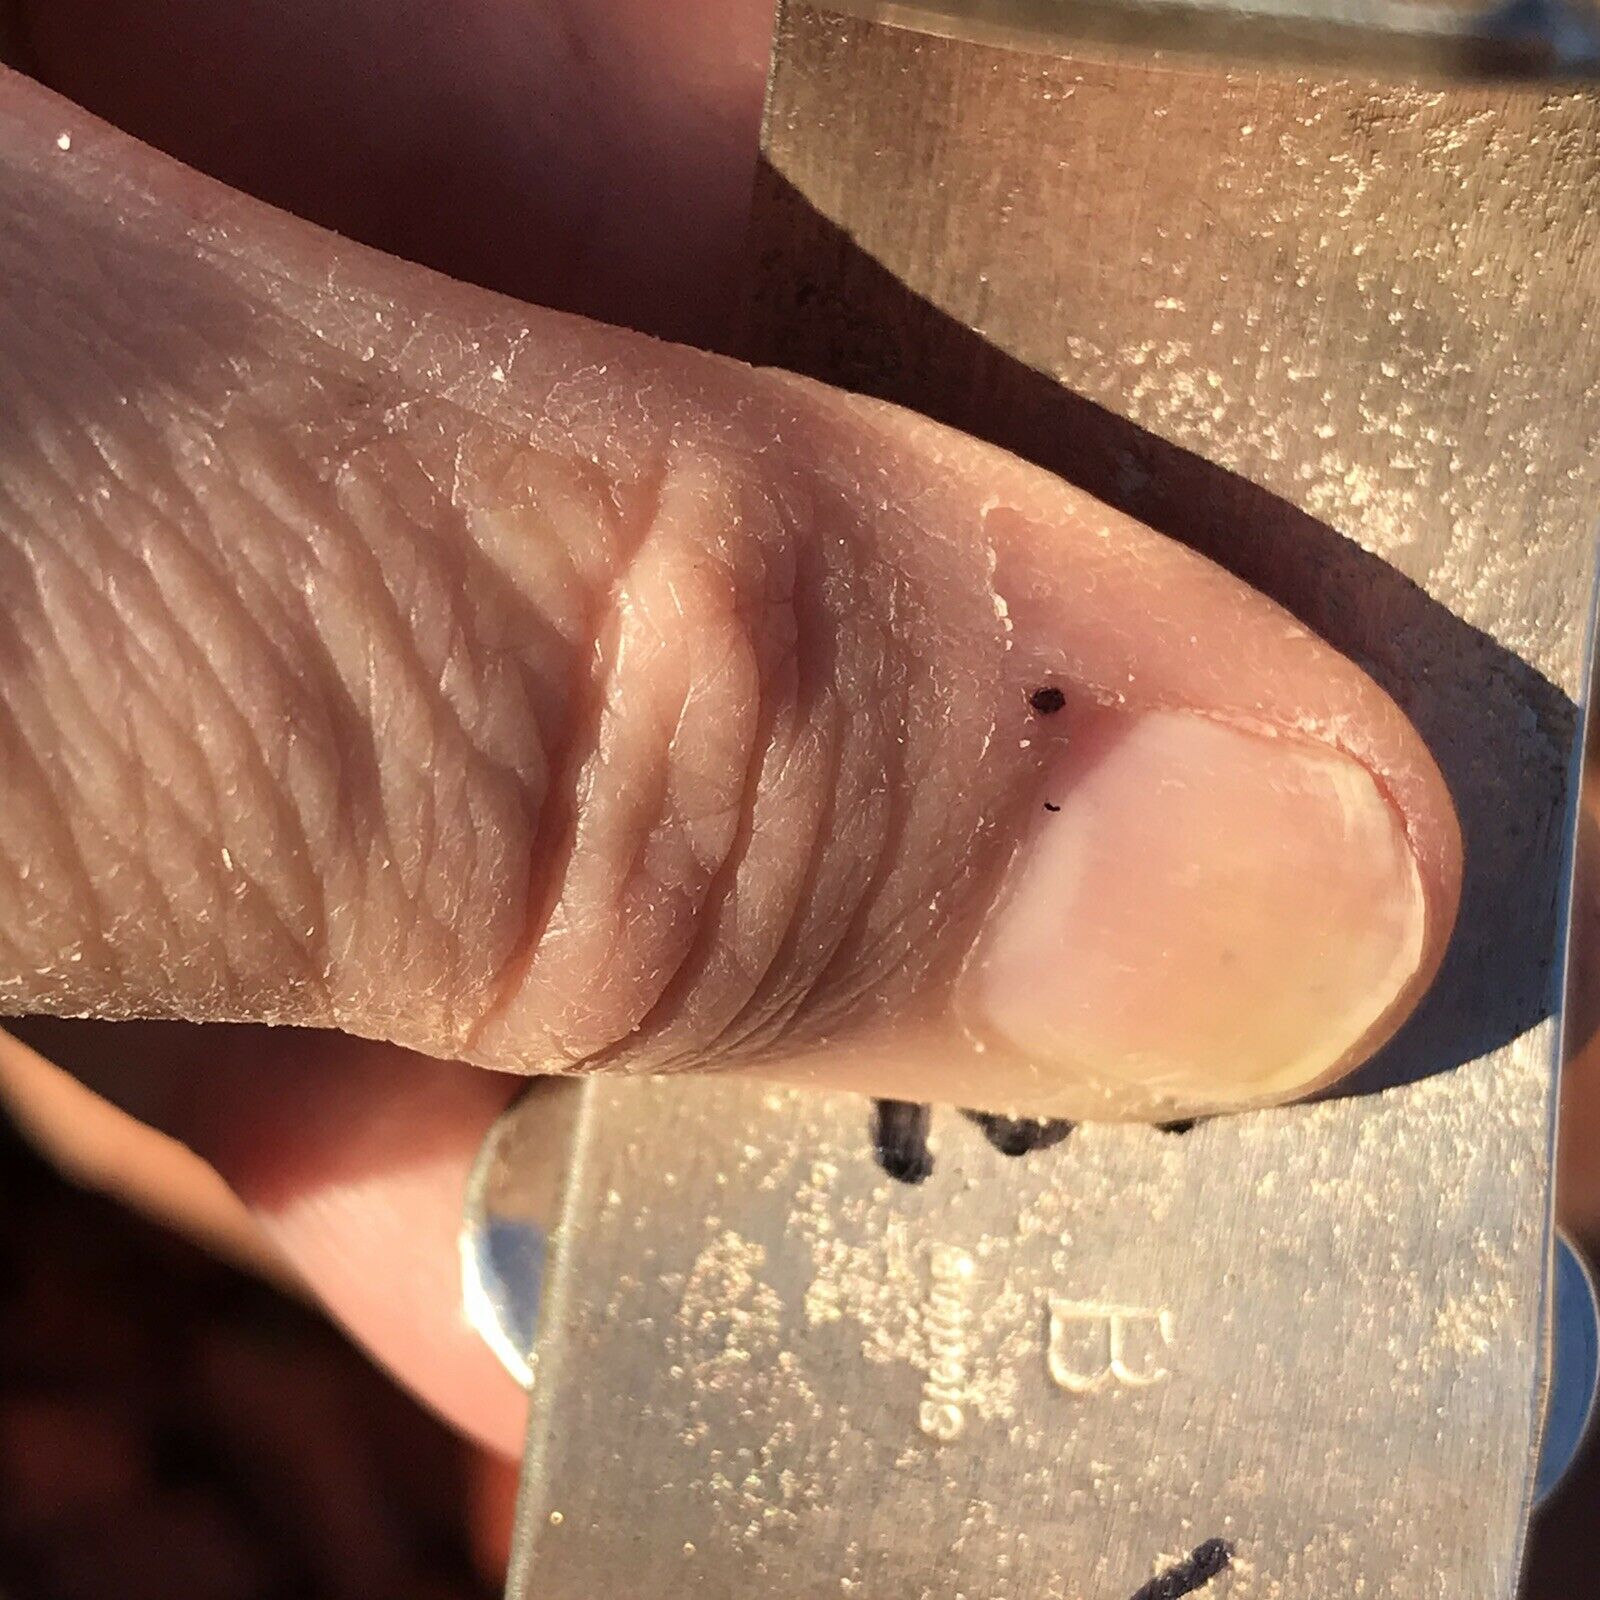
466 680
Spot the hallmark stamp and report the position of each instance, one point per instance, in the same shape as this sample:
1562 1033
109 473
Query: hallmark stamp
1093 1344
942 1413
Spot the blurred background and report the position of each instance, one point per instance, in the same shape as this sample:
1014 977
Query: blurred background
177 1420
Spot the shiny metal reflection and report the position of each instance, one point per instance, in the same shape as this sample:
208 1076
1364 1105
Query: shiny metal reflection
1576 1369
1414 40
511 1199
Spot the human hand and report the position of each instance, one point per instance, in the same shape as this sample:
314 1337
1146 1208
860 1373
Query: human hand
469 683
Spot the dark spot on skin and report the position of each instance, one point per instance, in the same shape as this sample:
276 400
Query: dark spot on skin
1051 806
1195 1571
1182 1125
1018 1136
1047 701
900 1139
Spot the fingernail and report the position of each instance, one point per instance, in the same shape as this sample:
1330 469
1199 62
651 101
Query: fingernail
1200 918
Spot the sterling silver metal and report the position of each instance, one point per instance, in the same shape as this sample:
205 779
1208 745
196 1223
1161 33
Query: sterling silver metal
1339 336
503 1254
1575 1371
876 1389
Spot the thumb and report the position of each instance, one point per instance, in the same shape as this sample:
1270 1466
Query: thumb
382 655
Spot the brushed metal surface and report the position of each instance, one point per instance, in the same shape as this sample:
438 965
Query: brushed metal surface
765 1368
1337 336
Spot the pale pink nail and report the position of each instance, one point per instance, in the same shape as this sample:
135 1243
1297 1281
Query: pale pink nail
1200 917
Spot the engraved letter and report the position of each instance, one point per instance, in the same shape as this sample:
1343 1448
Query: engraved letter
942 1414
1090 1345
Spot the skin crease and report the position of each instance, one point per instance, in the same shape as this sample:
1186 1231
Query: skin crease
594 460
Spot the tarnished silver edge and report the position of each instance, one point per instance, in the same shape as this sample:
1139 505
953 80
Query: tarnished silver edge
1413 41
560 1266
478 1301
1569 936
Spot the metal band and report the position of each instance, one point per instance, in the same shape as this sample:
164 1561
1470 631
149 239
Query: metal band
1337 337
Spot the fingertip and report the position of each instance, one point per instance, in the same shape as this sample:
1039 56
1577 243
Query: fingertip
1235 865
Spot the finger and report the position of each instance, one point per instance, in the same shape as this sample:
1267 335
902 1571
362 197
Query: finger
384 656
349 1160
589 156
